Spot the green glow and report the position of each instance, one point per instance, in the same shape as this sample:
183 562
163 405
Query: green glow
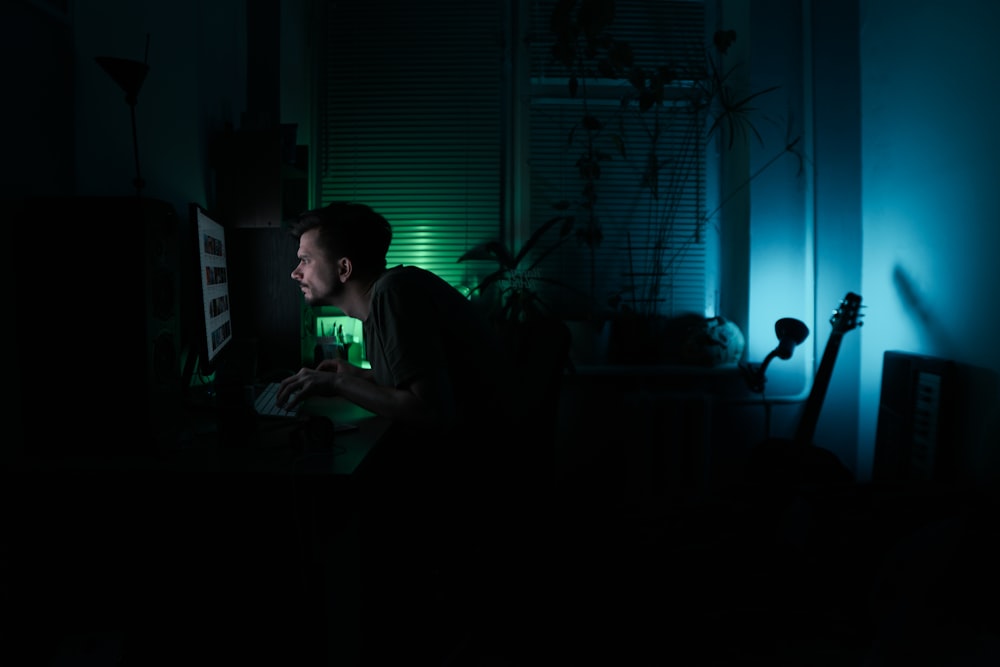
328 327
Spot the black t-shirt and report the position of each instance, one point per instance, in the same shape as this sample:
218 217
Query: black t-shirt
419 325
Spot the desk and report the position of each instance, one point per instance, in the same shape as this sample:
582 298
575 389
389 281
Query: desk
202 554
204 437
242 441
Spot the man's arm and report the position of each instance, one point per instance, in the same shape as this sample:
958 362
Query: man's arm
424 400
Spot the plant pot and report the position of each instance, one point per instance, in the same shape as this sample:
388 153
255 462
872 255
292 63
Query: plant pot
641 339
689 340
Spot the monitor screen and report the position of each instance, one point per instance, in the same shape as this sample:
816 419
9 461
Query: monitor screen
214 326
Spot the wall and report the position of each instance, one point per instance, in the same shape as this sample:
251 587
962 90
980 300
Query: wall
196 85
73 124
931 218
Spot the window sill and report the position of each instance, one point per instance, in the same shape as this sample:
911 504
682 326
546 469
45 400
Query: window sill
714 380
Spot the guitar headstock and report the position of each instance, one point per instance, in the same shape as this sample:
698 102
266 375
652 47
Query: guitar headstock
848 314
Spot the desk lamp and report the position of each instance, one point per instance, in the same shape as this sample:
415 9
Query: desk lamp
129 75
791 333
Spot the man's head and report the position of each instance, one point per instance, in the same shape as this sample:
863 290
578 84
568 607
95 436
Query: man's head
338 243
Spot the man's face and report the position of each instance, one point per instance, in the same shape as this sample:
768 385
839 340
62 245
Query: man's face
315 274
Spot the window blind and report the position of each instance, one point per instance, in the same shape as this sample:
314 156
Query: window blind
653 249
412 120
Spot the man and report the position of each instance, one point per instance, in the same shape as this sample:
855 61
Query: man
434 358
435 371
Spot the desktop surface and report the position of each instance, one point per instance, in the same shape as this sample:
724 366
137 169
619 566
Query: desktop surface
213 435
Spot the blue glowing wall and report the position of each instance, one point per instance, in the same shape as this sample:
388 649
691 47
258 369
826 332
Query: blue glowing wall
931 216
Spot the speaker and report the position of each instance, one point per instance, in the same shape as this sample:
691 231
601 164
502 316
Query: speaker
163 319
267 303
916 419
98 323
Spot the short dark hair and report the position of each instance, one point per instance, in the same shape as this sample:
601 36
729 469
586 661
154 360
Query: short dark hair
349 229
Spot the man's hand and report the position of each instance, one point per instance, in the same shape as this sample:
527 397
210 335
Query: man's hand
308 381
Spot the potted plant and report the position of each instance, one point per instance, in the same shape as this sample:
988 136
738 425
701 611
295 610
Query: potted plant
534 334
512 291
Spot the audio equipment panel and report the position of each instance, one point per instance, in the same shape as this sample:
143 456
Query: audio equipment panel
915 419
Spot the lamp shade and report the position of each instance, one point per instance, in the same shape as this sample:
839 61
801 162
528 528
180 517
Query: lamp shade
790 333
128 74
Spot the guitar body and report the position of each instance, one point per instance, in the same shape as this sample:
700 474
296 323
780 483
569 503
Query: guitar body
784 463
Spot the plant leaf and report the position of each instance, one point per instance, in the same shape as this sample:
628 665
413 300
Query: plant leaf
536 237
491 250
488 280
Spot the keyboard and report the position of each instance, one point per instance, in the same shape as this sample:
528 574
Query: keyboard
265 404
266 407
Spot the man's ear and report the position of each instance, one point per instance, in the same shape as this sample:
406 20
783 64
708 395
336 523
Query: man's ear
344 269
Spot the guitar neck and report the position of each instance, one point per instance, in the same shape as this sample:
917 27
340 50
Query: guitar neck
814 403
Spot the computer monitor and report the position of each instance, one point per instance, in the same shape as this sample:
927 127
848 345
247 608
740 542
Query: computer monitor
211 328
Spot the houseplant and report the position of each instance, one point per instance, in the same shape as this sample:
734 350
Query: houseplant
512 292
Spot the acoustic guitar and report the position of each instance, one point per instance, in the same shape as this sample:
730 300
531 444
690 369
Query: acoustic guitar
797 464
